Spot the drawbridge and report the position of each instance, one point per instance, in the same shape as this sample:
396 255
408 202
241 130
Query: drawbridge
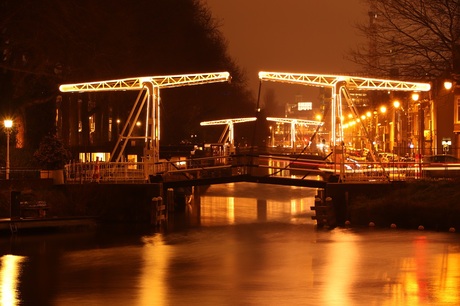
340 86
148 99
228 134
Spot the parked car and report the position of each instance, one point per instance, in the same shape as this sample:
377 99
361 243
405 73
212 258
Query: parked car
352 164
407 161
440 158
440 166
386 157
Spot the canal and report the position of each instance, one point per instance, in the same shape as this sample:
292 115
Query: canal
248 244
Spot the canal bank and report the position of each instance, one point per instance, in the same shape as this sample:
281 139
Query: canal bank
431 204
108 203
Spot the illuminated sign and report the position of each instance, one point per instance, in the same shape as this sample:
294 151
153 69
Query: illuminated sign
301 106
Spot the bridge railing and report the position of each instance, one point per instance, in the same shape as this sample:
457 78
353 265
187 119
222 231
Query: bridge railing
20 173
96 172
255 165
139 172
369 171
400 171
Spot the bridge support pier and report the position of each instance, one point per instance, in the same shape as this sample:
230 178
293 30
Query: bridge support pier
324 210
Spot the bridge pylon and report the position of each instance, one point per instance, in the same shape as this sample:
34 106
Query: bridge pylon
149 100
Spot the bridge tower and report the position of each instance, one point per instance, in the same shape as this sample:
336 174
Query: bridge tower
294 122
148 99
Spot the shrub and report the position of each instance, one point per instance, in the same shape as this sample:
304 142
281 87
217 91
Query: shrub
52 154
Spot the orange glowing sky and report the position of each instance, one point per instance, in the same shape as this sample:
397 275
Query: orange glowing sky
302 36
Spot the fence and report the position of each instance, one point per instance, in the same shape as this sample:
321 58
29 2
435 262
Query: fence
349 171
131 172
20 173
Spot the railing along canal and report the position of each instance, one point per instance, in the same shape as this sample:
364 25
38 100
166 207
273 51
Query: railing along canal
142 172
257 165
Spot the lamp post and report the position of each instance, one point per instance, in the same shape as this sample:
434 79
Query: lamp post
272 136
383 111
395 128
8 123
421 139
446 143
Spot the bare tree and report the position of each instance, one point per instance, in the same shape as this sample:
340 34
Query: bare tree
50 42
416 39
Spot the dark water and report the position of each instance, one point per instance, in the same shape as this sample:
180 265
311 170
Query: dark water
252 245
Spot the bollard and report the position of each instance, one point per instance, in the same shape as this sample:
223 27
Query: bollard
158 213
324 211
170 199
15 205
153 210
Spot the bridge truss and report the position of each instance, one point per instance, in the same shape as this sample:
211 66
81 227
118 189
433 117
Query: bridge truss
294 122
340 86
148 99
229 133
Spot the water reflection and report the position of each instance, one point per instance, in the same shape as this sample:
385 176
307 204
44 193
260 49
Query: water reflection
254 203
10 273
342 254
254 245
418 286
153 289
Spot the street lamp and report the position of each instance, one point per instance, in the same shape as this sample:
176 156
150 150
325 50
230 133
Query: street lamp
448 84
118 126
8 123
446 143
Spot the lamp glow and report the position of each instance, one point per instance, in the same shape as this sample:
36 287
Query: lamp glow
448 85
8 123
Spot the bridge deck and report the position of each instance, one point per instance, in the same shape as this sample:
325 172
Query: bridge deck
270 169
247 178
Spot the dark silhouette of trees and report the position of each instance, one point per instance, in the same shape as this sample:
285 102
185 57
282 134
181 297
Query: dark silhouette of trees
50 42
415 39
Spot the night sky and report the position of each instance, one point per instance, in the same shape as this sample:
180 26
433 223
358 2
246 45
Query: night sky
302 36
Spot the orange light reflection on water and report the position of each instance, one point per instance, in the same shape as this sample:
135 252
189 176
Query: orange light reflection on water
217 210
448 282
10 272
153 279
416 286
343 256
